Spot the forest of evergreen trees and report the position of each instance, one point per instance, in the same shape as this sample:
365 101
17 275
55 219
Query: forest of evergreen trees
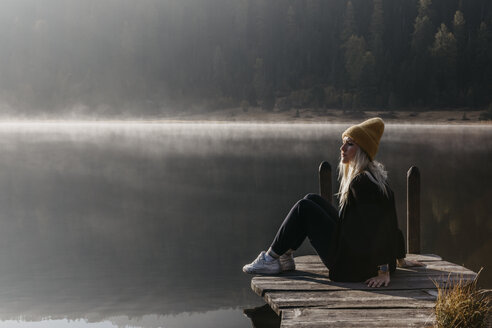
157 56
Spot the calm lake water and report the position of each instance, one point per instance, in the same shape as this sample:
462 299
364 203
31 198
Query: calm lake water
148 225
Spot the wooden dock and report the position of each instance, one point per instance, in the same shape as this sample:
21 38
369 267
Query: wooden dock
308 298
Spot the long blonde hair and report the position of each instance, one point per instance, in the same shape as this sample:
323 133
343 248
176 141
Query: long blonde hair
360 164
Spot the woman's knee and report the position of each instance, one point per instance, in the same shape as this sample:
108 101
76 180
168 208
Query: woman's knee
311 196
314 206
307 207
304 204
317 199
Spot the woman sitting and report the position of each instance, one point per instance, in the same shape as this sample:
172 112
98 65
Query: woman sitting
361 241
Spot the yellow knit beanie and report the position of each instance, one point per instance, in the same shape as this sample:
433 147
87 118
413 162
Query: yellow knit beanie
367 135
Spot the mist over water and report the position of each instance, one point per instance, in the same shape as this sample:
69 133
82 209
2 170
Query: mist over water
149 225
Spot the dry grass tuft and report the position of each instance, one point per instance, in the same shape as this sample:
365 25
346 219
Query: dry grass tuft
460 304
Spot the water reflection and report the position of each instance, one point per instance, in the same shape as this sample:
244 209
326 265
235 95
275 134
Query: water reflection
209 319
103 221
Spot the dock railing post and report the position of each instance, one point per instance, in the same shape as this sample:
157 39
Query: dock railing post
413 210
325 181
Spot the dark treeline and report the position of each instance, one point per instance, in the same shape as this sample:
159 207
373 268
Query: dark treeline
151 56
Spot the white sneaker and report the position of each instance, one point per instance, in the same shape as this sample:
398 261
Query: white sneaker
287 262
262 266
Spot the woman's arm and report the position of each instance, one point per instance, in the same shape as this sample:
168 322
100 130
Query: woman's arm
373 212
369 211
383 277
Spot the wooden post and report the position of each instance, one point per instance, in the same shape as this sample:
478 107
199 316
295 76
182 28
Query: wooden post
325 181
413 210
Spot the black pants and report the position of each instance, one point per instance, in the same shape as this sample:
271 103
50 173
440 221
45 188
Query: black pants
311 217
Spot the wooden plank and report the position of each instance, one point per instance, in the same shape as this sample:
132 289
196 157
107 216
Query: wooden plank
262 285
311 282
413 210
423 257
413 257
279 301
319 317
437 267
325 181
307 297
396 276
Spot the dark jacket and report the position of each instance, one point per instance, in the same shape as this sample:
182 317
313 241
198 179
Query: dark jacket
368 233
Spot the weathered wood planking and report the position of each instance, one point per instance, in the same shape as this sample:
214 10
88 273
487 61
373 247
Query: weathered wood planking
280 301
435 269
308 298
315 277
265 284
413 257
317 318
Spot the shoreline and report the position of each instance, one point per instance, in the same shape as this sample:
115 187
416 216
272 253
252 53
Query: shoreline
256 115
309 115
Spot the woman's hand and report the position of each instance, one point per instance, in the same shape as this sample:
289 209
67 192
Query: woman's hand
404 263
383 278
